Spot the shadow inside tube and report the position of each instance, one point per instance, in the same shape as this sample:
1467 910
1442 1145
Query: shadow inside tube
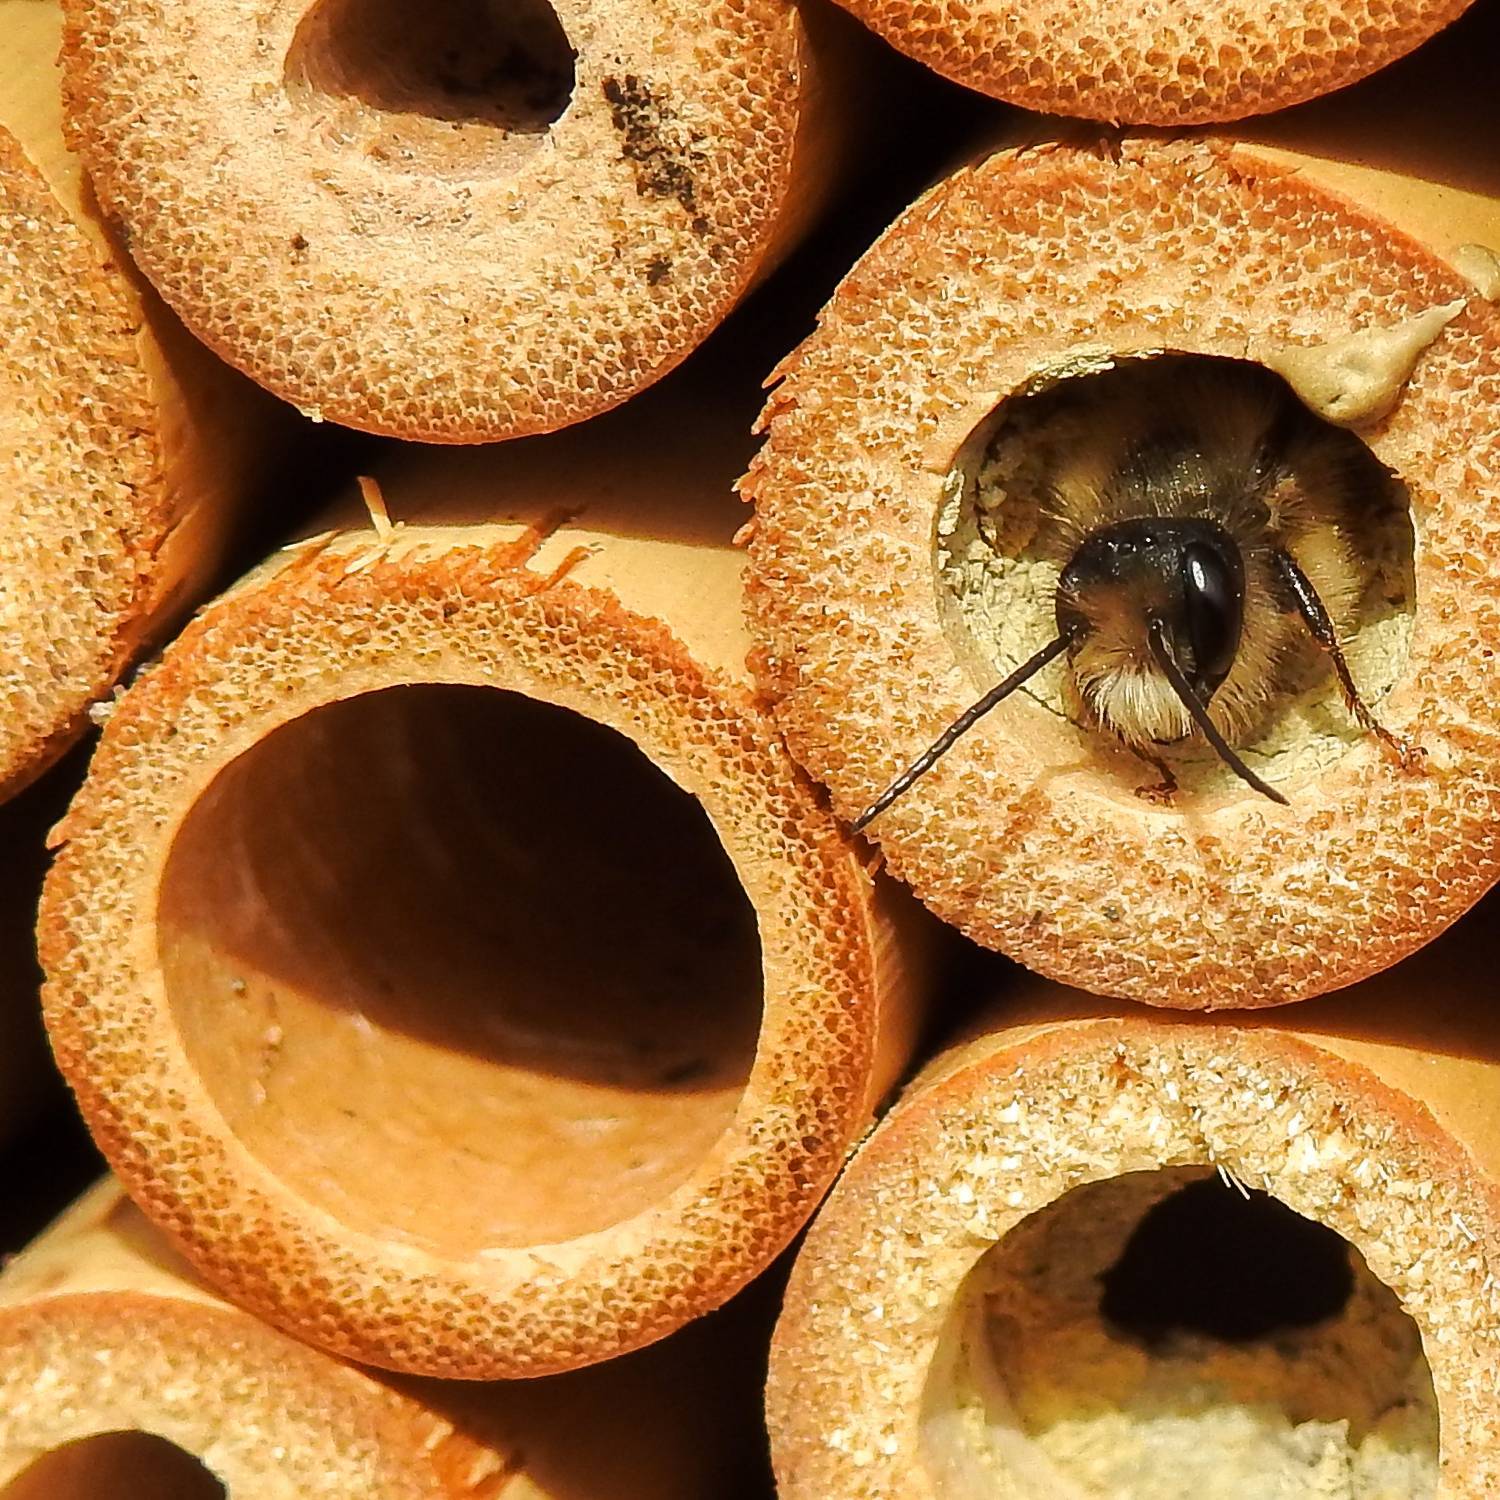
124 1465
462 965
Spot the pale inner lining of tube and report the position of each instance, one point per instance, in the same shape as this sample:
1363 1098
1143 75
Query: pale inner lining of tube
1159 1336
461 968
996 596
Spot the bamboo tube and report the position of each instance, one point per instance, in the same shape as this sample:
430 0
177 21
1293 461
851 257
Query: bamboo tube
1169 64
124 447
1024 1287
463 221
123 1375
884 605
442 916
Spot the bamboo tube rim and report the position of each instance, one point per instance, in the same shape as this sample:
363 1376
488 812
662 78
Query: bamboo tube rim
475 614
330 1397
1179 907
127 447
106 1333
115 1355
1007 1125
505 282
1175 64
90 311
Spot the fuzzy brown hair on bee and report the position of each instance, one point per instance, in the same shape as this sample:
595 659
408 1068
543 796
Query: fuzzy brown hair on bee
1203 525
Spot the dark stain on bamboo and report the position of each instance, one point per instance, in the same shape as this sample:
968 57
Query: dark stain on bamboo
647 124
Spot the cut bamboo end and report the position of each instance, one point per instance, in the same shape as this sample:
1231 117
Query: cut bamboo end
121 1375
464 223
1137 1255
885 602
1173 64
113 428
435 923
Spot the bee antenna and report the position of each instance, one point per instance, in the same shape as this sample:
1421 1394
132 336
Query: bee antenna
961 726
1162 651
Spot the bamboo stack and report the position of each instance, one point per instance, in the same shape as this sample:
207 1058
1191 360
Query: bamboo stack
459 948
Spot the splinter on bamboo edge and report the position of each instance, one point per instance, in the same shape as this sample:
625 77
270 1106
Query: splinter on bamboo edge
1134 1255
454 221
1175 62
443 917
121 1374
1124 551
125 449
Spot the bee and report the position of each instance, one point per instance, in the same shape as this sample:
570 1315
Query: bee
1202 529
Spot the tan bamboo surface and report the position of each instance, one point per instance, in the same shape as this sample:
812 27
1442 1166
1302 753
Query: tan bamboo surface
1375 1113
124 447
1039 263
459 222
444 946
1174 63
122 1375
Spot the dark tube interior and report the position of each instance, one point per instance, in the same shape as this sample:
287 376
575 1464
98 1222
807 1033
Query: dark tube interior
116 1466
461 967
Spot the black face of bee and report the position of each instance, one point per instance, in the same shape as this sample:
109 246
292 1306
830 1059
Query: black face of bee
1187 573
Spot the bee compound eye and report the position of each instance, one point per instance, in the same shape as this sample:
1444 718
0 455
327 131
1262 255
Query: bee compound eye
1213 601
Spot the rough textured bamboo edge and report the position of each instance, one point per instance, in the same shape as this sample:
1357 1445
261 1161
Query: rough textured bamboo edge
704 141
104 1329
1174 66
1371 1112
144 444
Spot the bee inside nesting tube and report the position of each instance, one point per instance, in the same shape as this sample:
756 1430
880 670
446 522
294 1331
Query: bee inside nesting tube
1124 552
1205 560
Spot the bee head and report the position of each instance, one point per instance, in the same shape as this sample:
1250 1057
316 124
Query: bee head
1182 577
1150 612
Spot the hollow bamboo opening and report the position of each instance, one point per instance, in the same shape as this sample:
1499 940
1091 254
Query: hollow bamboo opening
450 85
1100 1254
997 562
461 967
121 1465
1169 1334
